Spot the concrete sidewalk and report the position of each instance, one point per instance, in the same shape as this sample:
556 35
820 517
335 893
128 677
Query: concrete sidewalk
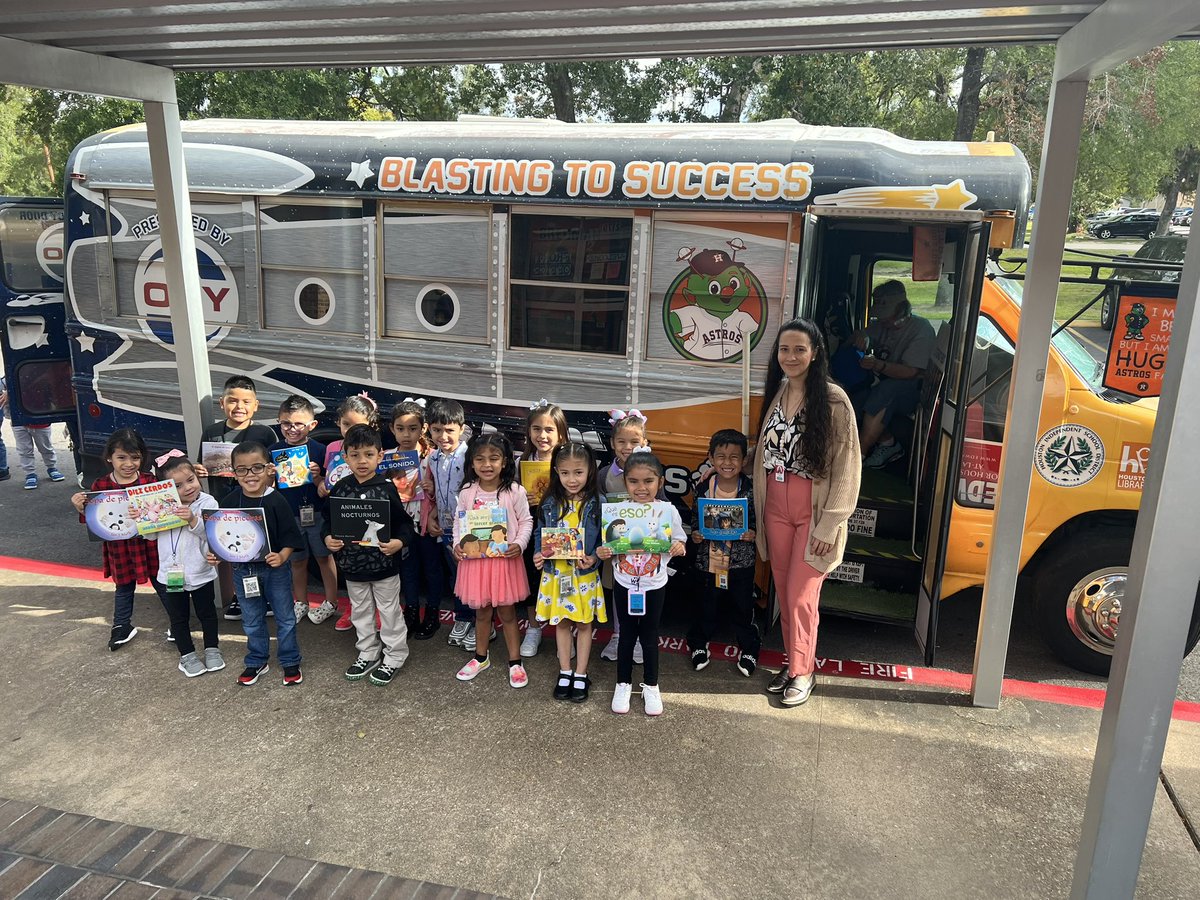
870 789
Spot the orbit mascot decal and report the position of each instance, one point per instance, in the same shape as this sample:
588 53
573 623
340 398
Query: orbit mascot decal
1135 320
714 305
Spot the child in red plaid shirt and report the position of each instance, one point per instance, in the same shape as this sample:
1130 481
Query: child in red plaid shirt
134 560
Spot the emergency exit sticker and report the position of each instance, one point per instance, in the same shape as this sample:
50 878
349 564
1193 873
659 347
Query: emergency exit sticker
1137 349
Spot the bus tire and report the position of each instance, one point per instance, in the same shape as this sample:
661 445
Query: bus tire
1077 600
1108 310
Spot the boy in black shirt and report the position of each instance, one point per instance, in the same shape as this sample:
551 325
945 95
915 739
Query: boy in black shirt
371 579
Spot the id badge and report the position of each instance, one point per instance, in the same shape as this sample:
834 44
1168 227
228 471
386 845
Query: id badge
250 586
308 516
779 473
566 585
175 579
637 603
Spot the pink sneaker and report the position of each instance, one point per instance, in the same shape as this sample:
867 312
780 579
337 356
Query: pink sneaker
473 668
343 623
517 676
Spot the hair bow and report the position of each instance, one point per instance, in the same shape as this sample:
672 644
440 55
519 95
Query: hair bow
420 402
161 461
616 415
538 404
367 397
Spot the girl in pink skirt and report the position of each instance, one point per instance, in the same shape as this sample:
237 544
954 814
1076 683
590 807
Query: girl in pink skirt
493 513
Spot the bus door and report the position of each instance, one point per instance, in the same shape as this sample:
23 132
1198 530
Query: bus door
33 338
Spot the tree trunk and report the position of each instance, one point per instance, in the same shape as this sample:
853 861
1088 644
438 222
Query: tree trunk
562 91
49 163
732 102
1164 218
968 98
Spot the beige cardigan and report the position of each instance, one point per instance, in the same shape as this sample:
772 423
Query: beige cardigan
834 496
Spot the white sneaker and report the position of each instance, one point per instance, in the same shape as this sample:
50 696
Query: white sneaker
652 698
457 633
533 640
299 609
318 614
610 649
621 697
638 659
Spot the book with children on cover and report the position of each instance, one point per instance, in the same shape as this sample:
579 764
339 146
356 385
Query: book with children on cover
404 468
106 514
152 506
562 543
723 520
291 466
630 527
362 521
237 535
480 533
535 478
217 457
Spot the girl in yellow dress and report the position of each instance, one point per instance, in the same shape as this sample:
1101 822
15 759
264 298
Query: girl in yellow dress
570 595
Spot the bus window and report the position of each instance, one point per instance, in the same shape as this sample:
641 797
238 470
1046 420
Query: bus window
44 387
931 300
569 282
312 271
987 408
435 271
31 248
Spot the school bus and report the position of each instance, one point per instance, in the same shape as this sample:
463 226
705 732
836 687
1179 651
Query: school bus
499 261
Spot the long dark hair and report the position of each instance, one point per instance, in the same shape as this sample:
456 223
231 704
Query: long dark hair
557 493
818 422
508 474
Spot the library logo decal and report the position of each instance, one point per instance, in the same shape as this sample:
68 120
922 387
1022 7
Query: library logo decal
714 305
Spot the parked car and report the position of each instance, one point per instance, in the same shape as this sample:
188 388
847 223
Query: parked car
1138 224
1182 216
1168 248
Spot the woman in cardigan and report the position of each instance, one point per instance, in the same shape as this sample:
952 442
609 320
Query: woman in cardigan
807 469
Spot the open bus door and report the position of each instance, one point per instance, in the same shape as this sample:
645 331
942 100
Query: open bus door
33 337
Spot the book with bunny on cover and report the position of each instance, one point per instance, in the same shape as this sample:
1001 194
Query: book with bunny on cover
152 506
632 527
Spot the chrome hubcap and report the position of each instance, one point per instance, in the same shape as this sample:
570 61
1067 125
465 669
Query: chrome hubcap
1094 608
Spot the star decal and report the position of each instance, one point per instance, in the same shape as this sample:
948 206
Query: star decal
85 218
360 172
87 342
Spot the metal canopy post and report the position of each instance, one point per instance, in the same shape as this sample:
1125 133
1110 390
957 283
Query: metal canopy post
179 259
1060 152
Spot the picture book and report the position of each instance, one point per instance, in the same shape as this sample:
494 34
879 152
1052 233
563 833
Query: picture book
723 520
482 532
217 457
106 514
291 467
152 506
630 527
562 543
338 469
237 535
367 523
535 478
404 468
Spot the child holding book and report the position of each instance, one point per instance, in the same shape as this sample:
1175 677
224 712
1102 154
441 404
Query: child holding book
628 435
494 585
545 431
371 579
134 560
185 576
239 403
260 585
641 587
570 594
297 419
447 422
424 557
726 568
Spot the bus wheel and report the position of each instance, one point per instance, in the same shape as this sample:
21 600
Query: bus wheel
1077 604
1108 308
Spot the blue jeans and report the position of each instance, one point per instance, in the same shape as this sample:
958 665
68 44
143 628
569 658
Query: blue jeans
123 601
274 587
424 558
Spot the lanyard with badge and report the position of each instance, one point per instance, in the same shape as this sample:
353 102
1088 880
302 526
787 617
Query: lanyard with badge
566 582
175 580
308 513
442 495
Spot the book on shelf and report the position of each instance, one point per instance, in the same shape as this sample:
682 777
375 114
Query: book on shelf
237 535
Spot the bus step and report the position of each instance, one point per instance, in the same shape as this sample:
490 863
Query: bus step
889 565
855 601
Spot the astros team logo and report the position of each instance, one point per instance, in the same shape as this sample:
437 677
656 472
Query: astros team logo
714 306
218 293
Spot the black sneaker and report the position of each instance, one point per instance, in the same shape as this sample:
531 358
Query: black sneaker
360 667
121 634
233 611
292 675
5 474
250 675
700 658
746 664
383 674
428 628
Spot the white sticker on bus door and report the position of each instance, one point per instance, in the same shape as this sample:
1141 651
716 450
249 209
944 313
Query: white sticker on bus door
863 521
848 571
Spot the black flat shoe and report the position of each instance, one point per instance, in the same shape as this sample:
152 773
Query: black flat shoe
562 689
579 688
778 683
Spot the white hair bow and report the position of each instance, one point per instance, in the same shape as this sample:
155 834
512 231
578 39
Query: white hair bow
420 403
539 403
616 415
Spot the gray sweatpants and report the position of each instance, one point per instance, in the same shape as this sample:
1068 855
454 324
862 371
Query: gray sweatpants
27 439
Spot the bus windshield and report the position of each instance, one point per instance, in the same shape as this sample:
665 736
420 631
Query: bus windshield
1077 356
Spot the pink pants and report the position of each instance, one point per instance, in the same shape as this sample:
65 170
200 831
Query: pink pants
797 584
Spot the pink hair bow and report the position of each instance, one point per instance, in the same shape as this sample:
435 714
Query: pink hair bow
367 397
161 461
616 415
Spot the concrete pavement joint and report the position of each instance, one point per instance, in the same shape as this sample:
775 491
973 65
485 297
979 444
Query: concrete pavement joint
1183 815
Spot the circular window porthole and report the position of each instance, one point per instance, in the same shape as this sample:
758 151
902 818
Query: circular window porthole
315 301
437 307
